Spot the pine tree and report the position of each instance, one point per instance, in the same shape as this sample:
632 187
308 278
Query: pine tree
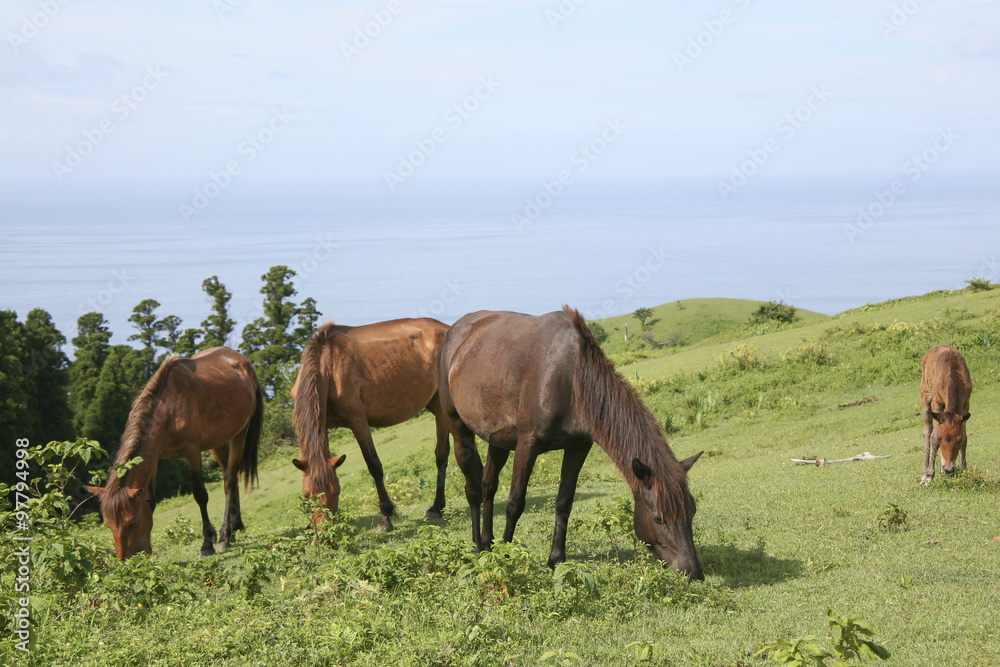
48 377
122 377
154 333
91 349
16 419
218 325
270 342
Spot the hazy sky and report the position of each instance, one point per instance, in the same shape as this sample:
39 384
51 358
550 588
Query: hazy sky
397 97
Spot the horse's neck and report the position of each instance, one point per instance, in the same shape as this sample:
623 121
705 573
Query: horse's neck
149 445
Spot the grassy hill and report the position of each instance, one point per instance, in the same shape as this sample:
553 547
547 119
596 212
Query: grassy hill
780 542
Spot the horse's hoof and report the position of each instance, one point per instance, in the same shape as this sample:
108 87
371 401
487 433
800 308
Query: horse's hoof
208 552
925 481
383 527
433 515
223 546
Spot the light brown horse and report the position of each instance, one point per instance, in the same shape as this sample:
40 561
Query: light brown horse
528 385
358 377
188 406
945 388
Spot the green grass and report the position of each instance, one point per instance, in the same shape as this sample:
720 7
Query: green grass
780 542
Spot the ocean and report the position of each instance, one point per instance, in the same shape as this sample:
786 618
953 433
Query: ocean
369 263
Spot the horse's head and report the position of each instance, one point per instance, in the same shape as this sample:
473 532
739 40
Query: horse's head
130 519
951 437
326 482
672 542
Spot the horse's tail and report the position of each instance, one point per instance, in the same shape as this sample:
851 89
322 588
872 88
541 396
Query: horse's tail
310 409
251 444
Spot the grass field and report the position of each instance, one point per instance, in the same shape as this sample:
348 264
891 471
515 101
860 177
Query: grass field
780 542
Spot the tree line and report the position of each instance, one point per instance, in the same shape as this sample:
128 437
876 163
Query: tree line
45 396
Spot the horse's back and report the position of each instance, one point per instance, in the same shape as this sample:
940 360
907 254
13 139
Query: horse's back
385 372
505 372
945 379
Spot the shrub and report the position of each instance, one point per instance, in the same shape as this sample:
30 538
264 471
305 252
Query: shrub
600 333
772 311
643 315
814 354
979 284
740 358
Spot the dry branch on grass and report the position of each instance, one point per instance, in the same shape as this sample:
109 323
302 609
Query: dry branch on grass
867 456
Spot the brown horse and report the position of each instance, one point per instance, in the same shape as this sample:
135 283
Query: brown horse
189 406
528 385
358 377
945 388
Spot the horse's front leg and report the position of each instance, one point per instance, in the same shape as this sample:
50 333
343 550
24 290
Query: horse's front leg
440 456
930 447
387 508
201 497
572 463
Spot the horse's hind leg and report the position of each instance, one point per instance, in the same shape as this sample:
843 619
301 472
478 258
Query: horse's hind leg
573 460
524 462
441 456
471 465
387 508
232 520
201 497
495 460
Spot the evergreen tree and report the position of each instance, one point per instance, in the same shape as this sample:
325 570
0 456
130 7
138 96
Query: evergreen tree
16 419
122 377
187 343
275 341
154 333
218 325
91 349
48 377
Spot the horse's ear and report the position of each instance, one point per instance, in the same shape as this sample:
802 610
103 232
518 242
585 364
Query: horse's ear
96 490
301 465
966 416
936 416
643 472
689 461
338 461
134 493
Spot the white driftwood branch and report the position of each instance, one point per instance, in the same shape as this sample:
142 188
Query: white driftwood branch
867 456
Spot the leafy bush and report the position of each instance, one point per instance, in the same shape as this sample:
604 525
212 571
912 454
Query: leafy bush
740 358
812 354
600 333
643 315
980 284
772 311
849 645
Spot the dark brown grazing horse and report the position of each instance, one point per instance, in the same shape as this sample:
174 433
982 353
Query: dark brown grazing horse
528 385
358 377
945 388
189 406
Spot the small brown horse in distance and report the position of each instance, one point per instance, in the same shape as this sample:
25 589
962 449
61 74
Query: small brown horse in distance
358 377
945 388
528 385
188 406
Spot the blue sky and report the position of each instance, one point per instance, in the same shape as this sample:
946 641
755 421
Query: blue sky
201 77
